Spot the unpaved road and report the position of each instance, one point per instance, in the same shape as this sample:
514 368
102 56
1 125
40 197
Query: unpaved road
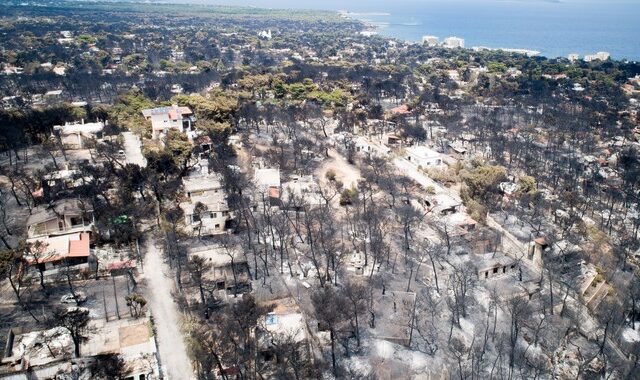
166 317
348 174
133 153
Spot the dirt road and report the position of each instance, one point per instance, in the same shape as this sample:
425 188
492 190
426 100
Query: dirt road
166 317
132 149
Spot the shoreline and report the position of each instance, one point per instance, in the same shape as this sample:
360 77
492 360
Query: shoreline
375 28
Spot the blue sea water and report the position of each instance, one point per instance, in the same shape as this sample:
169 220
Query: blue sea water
553 27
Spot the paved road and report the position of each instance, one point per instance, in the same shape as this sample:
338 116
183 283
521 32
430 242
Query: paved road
132 149
166 317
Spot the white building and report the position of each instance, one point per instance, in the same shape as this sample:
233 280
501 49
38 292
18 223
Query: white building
176 89
165 118
599 56
206 211
423 156
430 40
573 57
301 192
453 42
266 34
266 178
177 55
75 135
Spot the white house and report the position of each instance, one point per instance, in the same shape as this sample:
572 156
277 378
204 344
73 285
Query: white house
453 42
75 135
423 156
266 178
165 118
206 211
599 56
430 40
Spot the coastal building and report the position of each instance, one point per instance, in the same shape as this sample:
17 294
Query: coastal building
599 56
453 42
573 57
430 41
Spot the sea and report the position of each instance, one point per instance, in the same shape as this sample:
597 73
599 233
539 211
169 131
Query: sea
552 27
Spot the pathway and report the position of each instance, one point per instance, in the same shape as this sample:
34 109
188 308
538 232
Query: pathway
132 149
166 317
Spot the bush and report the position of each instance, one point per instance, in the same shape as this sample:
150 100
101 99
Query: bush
330 175
348 196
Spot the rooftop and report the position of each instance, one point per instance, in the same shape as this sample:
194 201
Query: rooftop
202 182
170 111
285 320
56 248
62 207
492 260
81 127
267 177
423 152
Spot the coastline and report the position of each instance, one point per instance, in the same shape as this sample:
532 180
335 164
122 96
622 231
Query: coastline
382 28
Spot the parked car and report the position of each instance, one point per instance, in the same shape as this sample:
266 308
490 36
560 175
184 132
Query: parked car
80 297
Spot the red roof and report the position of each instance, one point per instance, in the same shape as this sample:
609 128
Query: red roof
61 247
80 248
401 110
274 192
204 139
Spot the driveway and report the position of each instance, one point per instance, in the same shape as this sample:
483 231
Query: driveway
132 149
166 317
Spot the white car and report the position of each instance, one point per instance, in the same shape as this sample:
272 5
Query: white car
69 298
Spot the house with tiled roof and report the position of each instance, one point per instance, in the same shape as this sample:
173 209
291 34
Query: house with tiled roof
173 117
51 252
59 233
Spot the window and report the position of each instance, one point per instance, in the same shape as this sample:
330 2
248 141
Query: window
495 270
217 226
271 319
